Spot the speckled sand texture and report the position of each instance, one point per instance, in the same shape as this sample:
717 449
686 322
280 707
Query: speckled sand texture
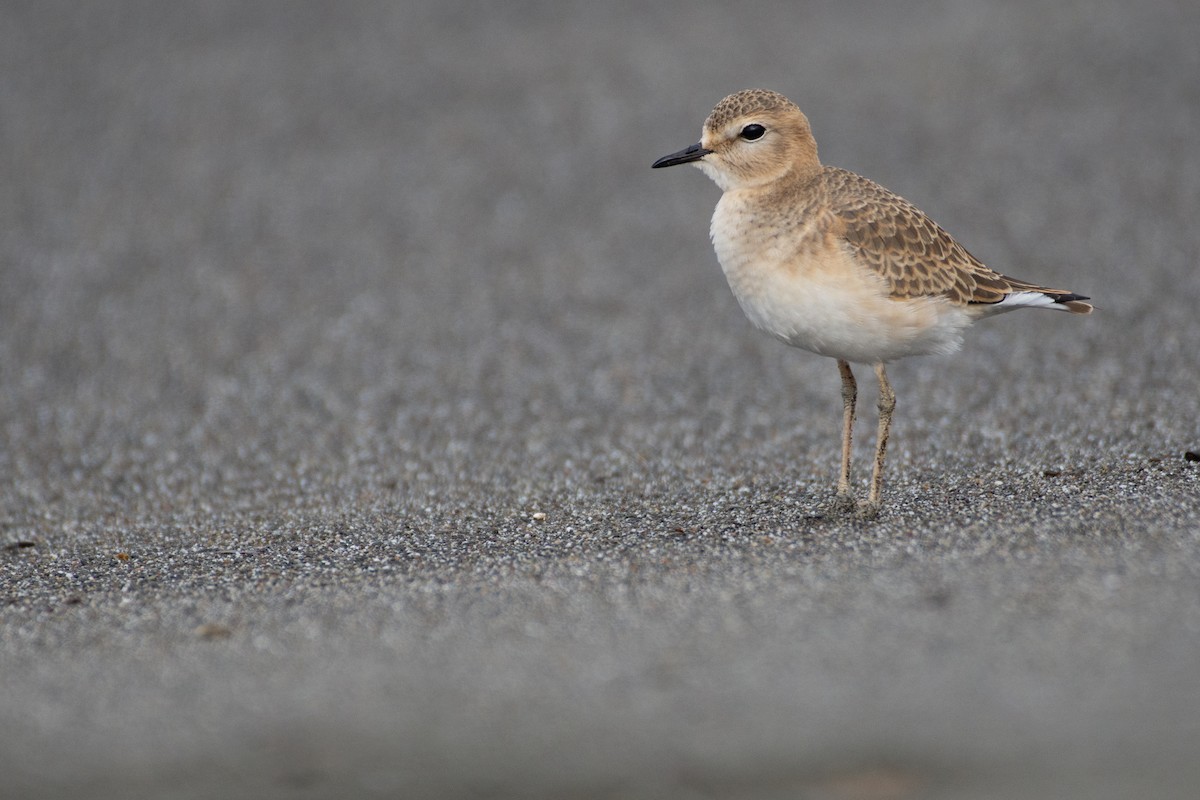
375 423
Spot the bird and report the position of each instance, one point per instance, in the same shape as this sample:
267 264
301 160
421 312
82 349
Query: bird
831 262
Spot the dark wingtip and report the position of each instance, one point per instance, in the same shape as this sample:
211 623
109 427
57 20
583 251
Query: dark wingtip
1074 303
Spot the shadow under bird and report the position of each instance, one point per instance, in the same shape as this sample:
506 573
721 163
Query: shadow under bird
832 262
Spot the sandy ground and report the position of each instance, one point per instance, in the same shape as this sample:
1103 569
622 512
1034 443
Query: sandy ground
376 423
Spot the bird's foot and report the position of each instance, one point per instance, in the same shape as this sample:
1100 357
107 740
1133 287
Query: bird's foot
844 503
868 509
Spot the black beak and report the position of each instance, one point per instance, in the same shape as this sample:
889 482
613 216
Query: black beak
685 156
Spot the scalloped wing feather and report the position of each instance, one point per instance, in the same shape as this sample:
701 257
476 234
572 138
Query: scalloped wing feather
914 254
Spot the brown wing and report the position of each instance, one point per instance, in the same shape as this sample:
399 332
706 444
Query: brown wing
911 251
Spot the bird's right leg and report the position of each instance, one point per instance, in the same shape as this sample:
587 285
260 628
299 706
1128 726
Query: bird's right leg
845 496
887 404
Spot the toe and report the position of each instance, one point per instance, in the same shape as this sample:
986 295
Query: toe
844 503
868 509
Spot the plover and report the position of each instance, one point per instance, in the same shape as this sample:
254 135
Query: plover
831 262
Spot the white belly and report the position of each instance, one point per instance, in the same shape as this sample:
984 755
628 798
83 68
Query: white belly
811 294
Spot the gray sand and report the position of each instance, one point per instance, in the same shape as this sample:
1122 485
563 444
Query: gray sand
376 423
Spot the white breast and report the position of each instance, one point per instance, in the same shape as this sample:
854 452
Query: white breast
800 286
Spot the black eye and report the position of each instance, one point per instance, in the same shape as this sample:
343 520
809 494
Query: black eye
752 132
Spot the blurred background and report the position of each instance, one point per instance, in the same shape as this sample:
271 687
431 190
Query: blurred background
308 310
218 214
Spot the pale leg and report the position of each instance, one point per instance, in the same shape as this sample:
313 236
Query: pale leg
845 497
887 404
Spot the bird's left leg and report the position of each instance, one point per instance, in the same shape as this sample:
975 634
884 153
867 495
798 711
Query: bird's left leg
845 495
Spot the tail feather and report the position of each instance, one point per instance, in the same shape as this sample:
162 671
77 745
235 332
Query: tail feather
1002 293
1072 302
1040 297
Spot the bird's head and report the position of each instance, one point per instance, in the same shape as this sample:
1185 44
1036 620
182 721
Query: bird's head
752 137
